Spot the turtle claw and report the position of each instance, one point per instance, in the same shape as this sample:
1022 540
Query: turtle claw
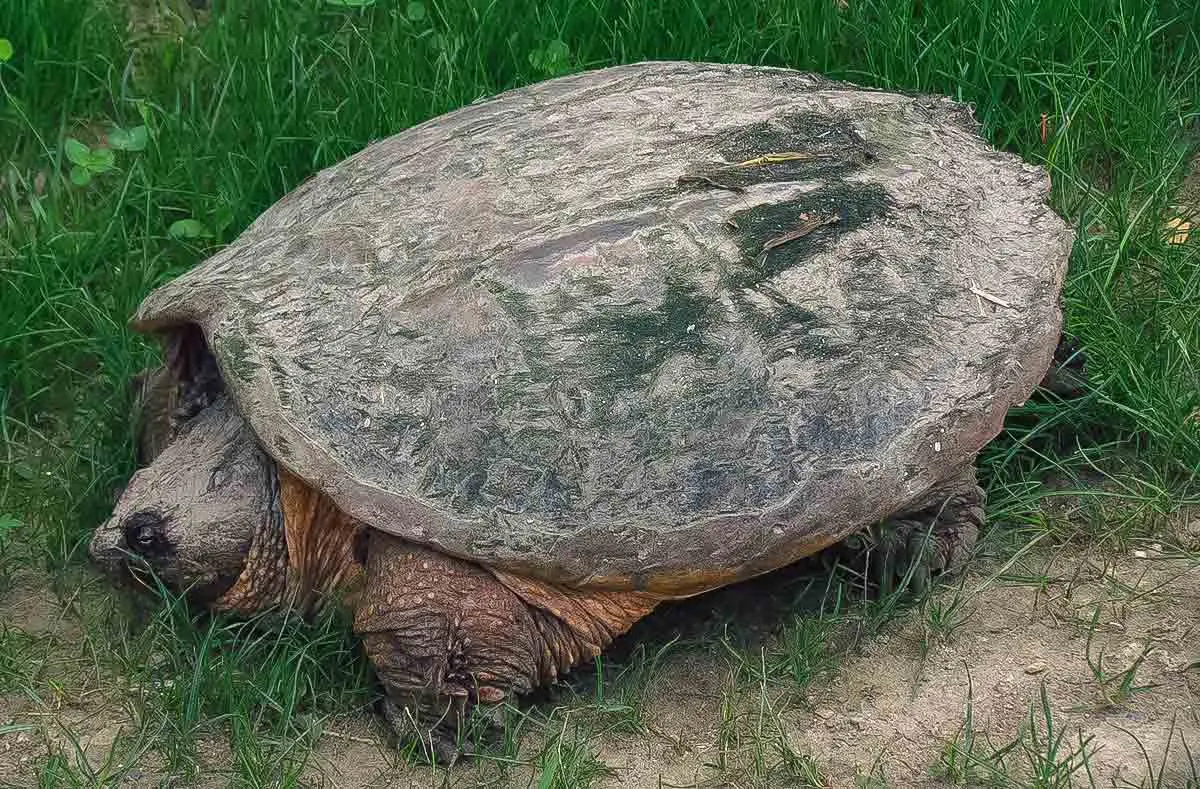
442 742
908 553
438 742
899 558
908 562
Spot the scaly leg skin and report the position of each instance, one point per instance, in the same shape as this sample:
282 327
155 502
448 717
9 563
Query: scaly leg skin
445 634
1067 376
912 549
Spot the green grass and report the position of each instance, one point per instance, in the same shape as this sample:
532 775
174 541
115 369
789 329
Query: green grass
243 105
753 746
613 698
273 686
568 761
1040 756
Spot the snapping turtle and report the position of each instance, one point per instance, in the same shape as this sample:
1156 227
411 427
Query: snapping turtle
505 381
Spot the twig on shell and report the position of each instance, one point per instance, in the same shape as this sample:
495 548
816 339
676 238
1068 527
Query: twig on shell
709 181
807 225
983 294
775 158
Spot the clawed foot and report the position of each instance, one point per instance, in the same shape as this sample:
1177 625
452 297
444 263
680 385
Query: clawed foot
911 551
447 637
1067 376
436 740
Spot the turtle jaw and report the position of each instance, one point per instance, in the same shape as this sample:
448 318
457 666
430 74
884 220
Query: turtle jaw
188 520
136 553
107 551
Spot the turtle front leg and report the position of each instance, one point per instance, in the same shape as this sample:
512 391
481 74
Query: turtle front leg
932 540
445 634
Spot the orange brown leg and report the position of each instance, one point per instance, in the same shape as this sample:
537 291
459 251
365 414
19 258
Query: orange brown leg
445 634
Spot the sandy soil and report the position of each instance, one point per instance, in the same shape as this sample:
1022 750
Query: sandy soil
891 710
891 707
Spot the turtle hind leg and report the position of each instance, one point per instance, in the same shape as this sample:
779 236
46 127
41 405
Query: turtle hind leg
445 634
912 549
1067 376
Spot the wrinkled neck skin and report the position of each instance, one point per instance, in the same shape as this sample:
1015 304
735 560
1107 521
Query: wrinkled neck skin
262 582
306 555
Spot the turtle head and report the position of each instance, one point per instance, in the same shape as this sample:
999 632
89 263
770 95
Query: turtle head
191 517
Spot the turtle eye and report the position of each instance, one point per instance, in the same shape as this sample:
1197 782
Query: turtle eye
146 533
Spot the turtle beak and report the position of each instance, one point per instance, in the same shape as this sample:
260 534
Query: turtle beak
107 548
125 541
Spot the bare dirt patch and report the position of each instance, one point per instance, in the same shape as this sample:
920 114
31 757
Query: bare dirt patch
1071 623
901 709
1067 623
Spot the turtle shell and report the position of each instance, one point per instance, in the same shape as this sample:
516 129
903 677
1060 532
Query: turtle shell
660 326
